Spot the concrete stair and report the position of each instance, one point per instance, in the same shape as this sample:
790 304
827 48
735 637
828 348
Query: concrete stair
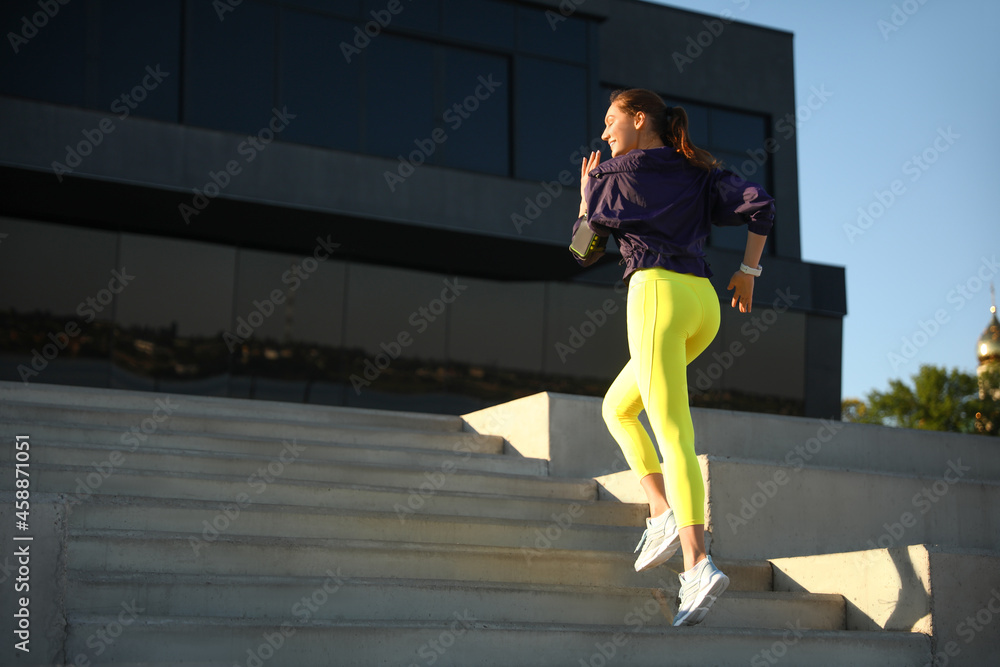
192 530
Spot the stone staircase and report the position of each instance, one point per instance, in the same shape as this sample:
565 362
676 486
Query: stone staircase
193 530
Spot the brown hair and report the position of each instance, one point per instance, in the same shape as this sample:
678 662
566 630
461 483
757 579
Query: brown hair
670 123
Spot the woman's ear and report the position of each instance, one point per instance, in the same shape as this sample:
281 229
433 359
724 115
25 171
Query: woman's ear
639 119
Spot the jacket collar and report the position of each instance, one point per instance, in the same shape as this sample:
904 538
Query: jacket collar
643 159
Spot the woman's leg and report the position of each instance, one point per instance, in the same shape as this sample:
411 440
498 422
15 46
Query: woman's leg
671 321
621 408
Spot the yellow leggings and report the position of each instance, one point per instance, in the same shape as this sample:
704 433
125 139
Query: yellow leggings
672 317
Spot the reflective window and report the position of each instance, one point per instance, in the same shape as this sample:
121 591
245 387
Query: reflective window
546 32
229 74
424 15
734 131
56 327
139 58
346 8
475 115
44 57
485 22
399 104
546 89
318 84
169 322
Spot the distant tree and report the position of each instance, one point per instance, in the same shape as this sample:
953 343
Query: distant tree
939 400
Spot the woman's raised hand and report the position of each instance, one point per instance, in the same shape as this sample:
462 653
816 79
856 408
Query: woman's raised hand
588 164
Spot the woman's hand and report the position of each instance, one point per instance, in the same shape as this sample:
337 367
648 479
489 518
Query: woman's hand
743 284
588 164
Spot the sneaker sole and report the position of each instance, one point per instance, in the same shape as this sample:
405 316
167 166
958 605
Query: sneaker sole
660 558
704 603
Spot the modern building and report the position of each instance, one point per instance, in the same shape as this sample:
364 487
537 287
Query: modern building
368 202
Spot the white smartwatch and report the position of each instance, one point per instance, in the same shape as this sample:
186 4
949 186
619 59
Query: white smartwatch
753 272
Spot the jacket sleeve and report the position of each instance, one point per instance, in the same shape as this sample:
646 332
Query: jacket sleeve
737 201
611 202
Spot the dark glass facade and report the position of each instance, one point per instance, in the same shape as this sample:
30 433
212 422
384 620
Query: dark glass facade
269 290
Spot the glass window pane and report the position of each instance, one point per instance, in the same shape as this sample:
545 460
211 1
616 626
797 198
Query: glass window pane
399 102
416 14
476 118
230 67
545 89
345 8
736 131
486 22
44 57
544 32
139 58
318 83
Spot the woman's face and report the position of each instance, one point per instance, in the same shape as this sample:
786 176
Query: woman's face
620 130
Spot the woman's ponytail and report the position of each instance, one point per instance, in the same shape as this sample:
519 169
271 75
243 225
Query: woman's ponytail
670 123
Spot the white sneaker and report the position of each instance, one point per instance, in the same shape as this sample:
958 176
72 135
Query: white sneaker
700 587
659 542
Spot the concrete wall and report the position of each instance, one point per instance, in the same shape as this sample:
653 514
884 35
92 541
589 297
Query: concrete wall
953 594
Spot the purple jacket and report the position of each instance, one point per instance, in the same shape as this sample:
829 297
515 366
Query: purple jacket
659 207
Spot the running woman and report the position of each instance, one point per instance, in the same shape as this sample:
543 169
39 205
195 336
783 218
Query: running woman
658 196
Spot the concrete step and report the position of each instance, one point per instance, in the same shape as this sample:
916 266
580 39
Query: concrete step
338 598
133 427
464 453
81 483
20 395
570 433
466 641
154 552
818 510
295 462
207 520
795 441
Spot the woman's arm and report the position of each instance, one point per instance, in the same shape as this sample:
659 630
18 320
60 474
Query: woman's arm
743 282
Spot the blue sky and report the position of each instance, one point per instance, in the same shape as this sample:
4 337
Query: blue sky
915 293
